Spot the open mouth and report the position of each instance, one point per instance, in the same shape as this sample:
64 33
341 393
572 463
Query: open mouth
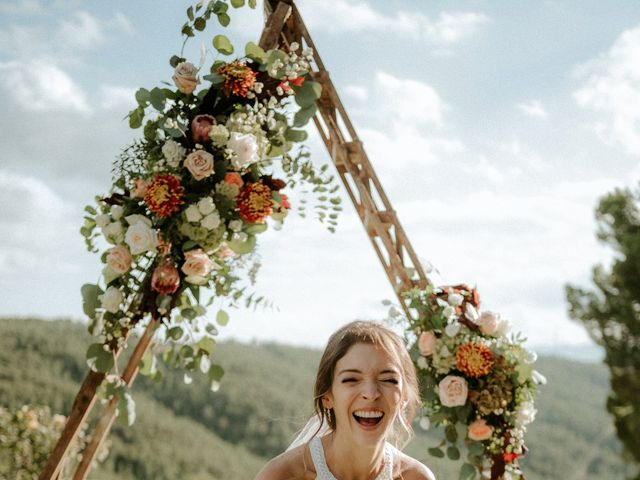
368 418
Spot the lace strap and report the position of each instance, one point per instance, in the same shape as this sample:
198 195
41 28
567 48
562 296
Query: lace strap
322 469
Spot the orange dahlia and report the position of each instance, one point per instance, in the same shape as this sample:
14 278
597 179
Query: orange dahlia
254 202
164 195
238 78
474 359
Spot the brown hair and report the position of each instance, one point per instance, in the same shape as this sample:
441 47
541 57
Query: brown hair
376 334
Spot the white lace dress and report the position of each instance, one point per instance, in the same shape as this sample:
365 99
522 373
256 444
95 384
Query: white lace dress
323 472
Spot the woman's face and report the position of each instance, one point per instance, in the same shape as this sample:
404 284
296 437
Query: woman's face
366 393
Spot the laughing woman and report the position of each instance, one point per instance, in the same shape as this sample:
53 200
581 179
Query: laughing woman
366 394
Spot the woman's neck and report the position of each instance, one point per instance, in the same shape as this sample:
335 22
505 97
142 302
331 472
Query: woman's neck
349 461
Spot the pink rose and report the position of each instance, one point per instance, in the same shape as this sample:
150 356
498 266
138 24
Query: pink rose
197 265
200 164
201 127
224 252
139 189
453 391
233 178
185 77
479 430
488 323
119 259
426 342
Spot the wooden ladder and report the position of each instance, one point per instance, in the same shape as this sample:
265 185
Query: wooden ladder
283 26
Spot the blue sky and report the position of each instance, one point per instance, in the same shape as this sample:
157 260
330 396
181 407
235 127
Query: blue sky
493 126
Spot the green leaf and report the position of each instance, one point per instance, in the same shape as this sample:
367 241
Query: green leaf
436 452
243 247
200 24
252 3
222 318
256 228
188 313
453 453
219 7
296 135
175 333
142 97
467 472
126 409
150 131
187 30
450 433
90 301
175 60
148 364
302 116
215 372
190 13
135 117
475 448
157 99
222 44
308 93
98 359
207 344
237 3
255 52
224 19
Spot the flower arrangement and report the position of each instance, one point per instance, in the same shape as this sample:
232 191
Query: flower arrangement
477 380
189 198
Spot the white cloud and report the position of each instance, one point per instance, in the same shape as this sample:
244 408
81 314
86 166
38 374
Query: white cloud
82 31
612 88
41 86
21 7
343 16
356 91
532 108
116 97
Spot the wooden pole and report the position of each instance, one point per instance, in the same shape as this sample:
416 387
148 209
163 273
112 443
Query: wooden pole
108 414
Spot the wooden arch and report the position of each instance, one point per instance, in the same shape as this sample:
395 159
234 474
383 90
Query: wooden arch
283 26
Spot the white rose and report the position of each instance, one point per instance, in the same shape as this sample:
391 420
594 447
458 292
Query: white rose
206 205
453 391
103 220
113 232
141 238
193 214
471 312
422 362
211 221
449 311
173 152
529 357
503 327
235 225
116 212
455 299
119 259
488 323
452 329
133 219
526 413
245 149
111 299
200 164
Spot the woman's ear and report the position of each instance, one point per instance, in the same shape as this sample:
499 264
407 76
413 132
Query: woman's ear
327 402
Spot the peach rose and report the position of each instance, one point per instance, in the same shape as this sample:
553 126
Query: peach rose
200 164
479 430
185 77
139 189
453 391
201 127
119 259
426 342
488 323
197 265
233 178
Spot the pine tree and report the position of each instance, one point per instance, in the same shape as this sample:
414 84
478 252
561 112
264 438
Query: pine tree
611 312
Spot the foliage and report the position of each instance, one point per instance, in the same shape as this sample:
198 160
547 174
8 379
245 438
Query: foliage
265 397
611 312
27 436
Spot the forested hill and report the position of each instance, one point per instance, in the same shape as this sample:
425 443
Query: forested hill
188 432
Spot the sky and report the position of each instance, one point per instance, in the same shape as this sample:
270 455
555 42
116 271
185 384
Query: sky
493 126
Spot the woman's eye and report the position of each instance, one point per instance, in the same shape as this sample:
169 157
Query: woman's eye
346 380
391 380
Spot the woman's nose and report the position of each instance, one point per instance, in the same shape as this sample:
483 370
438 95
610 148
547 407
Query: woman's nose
370 390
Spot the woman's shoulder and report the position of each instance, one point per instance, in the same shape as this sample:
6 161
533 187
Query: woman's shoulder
412 469
293 464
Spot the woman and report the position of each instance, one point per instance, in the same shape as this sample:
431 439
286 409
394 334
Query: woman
366 394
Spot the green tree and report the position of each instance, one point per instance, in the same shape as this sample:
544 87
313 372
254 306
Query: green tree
611 312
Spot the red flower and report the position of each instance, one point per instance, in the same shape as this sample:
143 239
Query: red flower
164 195
166 278
509 457
254 202
298 81
285 201
474 359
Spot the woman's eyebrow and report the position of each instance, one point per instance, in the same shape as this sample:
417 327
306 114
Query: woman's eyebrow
349 370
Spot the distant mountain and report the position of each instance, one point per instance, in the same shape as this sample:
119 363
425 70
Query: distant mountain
188 432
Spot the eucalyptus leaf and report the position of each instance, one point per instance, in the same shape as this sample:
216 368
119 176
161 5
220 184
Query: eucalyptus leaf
256 228
200 24
224 19
453 453
436 452
296 135
142 97
302 116
175 333
99 359
307 93
243 247
237 3
222 44
467 472
215 372
157 99
90 301
222 318
126 409
207 344
135 117
255 52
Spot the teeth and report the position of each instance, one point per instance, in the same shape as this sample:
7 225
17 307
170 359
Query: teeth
368 414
